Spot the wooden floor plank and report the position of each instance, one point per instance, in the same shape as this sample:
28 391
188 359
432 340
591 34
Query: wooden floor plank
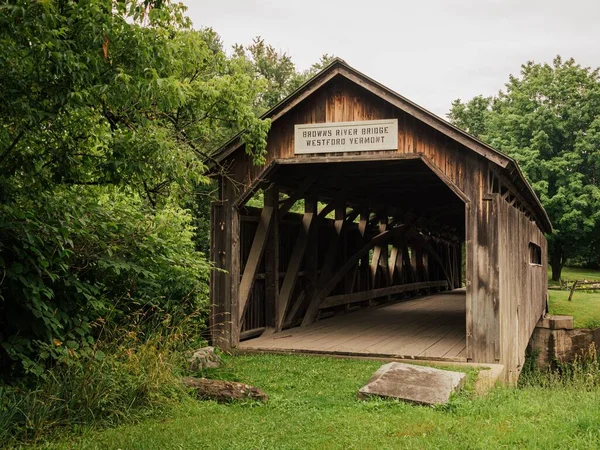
383 333
432 327
444 345
410 331
455 351
427 336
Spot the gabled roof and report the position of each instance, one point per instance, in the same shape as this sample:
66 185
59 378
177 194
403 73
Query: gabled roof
339 67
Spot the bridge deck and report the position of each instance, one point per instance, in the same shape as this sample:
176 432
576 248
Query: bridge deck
430 327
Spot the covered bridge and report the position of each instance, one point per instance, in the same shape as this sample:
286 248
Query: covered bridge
375 228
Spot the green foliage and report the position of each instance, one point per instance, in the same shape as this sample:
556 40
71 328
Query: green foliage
109 111
277 70
548 119
91 95
127 378
583 374
72 260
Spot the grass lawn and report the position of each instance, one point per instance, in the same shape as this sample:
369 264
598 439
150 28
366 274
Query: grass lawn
313 405
584 307
575 273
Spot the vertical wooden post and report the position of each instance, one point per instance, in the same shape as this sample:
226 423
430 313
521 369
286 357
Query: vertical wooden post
384 260
344 255
394 256
219 316
311 257
483 324
271 198
425 262
407 258
380 255
448 249
419 261
399 264
235 272
225 253
470 253
459 263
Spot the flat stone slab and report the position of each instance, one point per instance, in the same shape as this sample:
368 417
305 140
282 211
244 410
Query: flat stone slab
411 383
556 322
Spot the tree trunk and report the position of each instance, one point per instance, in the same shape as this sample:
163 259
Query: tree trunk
556 271
224 391
556 262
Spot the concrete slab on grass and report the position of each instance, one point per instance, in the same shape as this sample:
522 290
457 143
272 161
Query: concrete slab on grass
415 384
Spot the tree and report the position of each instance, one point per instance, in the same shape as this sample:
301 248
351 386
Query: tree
276 69
548 119
109 111
95 92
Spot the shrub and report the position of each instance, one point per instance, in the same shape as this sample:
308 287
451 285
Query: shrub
80 258
583 373
124 379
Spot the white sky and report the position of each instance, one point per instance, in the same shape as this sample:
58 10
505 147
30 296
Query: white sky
430 51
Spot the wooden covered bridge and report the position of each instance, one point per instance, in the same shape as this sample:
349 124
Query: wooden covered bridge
375 228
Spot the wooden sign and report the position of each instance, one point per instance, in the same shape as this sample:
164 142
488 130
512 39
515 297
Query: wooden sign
361 136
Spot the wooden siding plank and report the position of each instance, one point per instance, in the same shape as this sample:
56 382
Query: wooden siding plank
219 315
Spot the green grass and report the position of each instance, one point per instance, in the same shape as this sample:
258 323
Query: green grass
575 273
313 405
584 307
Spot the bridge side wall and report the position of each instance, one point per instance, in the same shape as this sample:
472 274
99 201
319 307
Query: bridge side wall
523 284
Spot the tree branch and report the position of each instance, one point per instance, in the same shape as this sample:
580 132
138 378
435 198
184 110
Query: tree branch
12 145
150 199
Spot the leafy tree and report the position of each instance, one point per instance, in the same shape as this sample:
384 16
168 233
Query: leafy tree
276 69
108 112
548 119
95 92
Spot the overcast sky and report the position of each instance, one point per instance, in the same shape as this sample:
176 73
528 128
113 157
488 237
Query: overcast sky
430 51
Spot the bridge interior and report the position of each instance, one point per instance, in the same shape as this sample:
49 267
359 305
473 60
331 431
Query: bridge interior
353 257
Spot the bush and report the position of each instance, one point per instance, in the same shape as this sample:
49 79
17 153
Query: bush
125 378
583 373
76 259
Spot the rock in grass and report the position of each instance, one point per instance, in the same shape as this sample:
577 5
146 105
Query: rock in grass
411 383
224 391
204 358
